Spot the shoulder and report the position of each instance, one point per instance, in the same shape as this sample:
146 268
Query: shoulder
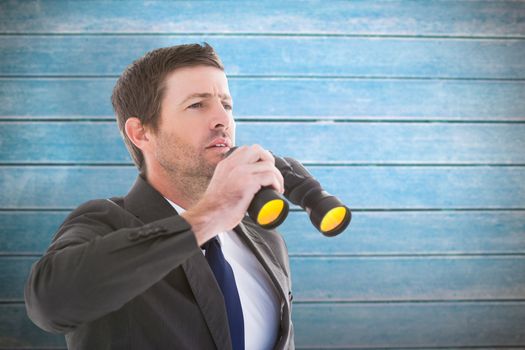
103 210
96 218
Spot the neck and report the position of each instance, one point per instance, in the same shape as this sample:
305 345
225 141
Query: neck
184 191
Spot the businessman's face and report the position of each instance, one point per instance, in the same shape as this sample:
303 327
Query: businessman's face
196 126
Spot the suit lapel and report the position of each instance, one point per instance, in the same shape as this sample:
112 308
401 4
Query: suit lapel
266 257
209 297
148 205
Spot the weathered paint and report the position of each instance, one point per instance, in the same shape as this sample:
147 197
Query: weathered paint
411 111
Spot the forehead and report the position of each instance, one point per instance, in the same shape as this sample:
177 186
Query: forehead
186 81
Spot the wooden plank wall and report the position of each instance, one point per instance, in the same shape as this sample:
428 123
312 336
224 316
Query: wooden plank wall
413 112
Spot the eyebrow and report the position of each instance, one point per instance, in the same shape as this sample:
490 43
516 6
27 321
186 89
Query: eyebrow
206 95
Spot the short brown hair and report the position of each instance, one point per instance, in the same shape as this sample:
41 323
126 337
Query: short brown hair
140 89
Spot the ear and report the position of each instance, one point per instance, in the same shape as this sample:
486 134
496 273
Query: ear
137 133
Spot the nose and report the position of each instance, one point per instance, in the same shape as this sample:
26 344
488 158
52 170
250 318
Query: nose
221 117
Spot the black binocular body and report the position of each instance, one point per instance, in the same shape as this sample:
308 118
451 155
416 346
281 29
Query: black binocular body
327 213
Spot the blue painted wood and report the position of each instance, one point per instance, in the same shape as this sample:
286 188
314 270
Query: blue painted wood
366 279
307 60
411 233
290 98
18 332
476 325
13 275
100 142
463 18
276 56
408 278
61 183
28 232
62 142
406 325
370 233
372 187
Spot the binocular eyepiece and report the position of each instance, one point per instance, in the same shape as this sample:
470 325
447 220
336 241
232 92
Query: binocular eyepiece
327 213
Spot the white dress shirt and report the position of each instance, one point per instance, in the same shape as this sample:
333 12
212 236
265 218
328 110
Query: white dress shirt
260 303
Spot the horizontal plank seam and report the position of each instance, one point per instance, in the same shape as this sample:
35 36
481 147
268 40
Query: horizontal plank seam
279 77
324 302
362 210
270 35
34 347
332 347
397 210
306 163
337 256
496 346
406 255
276 120
297 301
310 164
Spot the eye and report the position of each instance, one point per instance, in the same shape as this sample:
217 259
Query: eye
227 106
196 105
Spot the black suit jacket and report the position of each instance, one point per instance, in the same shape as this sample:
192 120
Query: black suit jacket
127 273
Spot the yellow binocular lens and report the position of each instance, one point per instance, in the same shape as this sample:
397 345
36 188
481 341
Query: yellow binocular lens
333 219
270 212
268 208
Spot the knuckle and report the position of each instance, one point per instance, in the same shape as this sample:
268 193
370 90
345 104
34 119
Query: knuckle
256 147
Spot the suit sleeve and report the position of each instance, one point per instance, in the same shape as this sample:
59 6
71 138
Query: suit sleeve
93 267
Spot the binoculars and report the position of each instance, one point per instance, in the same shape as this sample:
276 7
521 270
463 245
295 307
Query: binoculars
327 213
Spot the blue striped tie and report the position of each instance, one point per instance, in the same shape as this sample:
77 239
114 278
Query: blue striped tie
224 275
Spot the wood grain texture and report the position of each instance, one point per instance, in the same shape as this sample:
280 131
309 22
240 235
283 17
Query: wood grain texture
365 279
408 278
28 232
372 187
18 332
276 56
412 112
483 324
411 234
392 143
369 234
288 98
461 18
493 325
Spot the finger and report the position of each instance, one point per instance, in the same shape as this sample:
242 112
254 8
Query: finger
267 179
280 179
253 168
251 154
259 167
264 155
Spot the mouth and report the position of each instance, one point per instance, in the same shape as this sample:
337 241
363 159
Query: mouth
220 144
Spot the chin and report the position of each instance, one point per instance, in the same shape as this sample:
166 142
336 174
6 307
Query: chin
216 158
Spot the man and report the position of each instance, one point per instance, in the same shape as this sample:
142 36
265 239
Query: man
130 273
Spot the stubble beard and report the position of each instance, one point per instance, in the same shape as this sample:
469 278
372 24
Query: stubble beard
186 168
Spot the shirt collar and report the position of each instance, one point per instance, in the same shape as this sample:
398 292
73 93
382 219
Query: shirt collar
175 206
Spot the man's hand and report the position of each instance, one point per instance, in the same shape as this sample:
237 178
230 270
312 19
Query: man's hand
234 183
